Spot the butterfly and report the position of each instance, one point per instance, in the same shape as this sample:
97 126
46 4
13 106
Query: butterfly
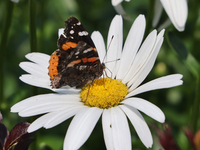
76 61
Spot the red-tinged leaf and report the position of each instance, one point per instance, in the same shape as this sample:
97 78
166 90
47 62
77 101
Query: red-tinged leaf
19 139
3 135
166 138
190 136
23 144
0 117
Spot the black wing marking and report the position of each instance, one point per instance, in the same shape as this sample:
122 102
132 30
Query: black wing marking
74 32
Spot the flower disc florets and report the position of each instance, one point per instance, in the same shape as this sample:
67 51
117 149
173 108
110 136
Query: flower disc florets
103 93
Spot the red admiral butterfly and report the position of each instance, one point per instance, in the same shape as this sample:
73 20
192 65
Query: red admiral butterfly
76 62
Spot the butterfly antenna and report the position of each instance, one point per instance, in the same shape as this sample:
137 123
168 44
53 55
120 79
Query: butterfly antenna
108 47
107 74
112 61
109 69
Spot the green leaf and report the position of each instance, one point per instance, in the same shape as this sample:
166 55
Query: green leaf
54 142
190 61
177 45
193 65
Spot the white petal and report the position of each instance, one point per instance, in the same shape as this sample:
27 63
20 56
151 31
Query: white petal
115 122
107 129
99 43
39 58
120 10
157 13
146 107
40 109
116 2
52 119
139 124
141 56
39 123
63 115
144 71
66 90
146 68
160 83
15 1
43 82
34 69
56 100
61 32
81 127
177 11
131 46
114 45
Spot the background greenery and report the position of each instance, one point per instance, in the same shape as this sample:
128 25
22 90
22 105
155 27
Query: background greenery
177 103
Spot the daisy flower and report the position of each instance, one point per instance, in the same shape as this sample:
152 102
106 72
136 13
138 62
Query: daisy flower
112 98
177 10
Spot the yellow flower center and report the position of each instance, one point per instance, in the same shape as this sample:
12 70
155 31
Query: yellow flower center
103 93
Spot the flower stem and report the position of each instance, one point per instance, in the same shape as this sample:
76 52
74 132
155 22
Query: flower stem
32 30
194 28
4 38
33 44
194 67
196 105
149 16
195 52
32 25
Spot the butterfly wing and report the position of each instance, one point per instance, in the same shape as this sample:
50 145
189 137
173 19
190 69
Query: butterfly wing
76 62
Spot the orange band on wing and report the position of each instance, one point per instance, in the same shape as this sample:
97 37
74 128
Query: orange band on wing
68 45
84 60
94 49
92 59
53 63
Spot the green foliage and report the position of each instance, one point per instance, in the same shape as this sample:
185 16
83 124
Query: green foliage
176 103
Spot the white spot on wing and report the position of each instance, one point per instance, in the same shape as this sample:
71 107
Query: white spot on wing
76 53
83 33
64 35
78 23
71 32
82 67
87 50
